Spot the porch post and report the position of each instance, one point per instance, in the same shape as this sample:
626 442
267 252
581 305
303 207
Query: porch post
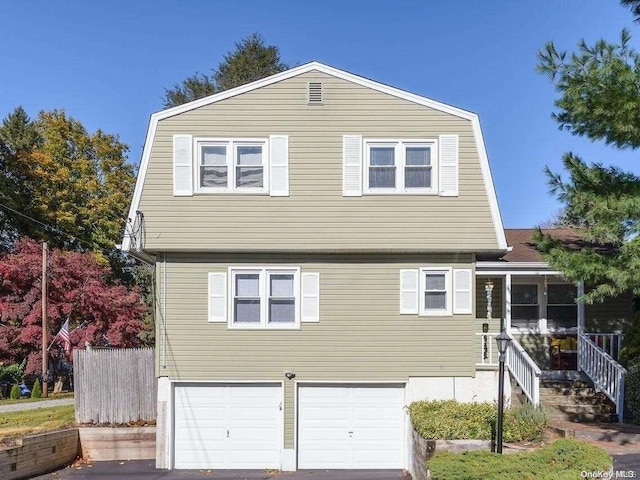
507 301
581 316
581 320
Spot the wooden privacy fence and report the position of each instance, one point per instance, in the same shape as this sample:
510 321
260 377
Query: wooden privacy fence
115 385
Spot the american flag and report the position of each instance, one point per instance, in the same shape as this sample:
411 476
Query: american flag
64 336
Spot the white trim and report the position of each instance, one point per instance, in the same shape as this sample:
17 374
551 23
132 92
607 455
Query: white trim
489 273
316 66
488 183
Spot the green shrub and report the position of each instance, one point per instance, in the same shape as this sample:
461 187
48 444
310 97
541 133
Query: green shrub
36 391
525 423
565 459
15 392
13 373
632 390
450 420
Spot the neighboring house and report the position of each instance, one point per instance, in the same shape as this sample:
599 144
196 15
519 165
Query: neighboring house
316 238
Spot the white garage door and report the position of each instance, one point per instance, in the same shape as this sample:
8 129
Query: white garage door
351 427
231 426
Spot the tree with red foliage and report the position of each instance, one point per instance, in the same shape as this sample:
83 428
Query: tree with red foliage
100 312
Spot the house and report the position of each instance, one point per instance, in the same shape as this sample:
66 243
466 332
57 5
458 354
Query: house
318 241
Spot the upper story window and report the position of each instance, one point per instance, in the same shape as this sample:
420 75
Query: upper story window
400 166
232 166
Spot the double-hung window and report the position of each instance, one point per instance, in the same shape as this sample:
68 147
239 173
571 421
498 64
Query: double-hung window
265 298
562 310
525 306
400 166
436 291
232 165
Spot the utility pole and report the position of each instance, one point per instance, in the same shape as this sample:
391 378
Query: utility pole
45 366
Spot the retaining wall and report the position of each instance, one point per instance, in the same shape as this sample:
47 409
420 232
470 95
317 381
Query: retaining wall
38 454
422 450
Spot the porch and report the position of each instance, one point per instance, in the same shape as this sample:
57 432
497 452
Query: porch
553 334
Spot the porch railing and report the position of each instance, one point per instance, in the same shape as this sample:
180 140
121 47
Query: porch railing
486 349
609 342
524 370
607 374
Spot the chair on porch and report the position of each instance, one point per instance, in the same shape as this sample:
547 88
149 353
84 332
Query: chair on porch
563 350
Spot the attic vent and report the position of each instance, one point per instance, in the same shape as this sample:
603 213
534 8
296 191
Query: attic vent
315 93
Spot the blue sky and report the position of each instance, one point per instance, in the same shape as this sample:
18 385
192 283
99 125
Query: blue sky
107 64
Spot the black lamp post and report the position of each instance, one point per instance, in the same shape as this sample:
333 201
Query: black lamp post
503 341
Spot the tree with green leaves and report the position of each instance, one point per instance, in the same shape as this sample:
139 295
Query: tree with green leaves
62 184
599 98
251 60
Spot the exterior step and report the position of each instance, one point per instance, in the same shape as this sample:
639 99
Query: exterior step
574 401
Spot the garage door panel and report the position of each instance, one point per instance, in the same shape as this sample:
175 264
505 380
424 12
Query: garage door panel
350 427
232 426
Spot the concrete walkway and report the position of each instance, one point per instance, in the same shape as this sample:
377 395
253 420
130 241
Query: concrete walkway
47 403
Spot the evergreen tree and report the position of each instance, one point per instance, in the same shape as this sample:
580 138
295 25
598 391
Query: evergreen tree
251 60
600 100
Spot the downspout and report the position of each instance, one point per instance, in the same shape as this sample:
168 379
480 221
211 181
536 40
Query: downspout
164 309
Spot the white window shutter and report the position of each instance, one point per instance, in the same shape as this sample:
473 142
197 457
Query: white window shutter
217 297
279 165
409 291
182 166
352 166
310 297
462 283
449 165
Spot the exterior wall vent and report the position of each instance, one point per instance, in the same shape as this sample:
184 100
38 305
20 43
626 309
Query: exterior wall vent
315 93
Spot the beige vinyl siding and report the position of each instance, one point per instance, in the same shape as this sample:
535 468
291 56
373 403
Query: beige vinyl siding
360 337
315 215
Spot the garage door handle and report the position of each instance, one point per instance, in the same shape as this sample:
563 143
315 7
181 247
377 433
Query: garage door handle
351 434
227 433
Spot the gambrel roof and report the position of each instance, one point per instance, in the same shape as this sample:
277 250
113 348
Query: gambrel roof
322 68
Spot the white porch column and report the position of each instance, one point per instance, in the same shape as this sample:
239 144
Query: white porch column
581 319
581 315
507 301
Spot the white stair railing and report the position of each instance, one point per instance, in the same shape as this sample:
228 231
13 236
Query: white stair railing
607 374
524 370
609 342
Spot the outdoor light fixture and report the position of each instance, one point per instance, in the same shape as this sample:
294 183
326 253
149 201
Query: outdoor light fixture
290 375
503 341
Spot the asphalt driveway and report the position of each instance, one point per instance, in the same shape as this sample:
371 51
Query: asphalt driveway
145 470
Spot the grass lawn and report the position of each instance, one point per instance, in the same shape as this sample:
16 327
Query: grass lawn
564 459
37 420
